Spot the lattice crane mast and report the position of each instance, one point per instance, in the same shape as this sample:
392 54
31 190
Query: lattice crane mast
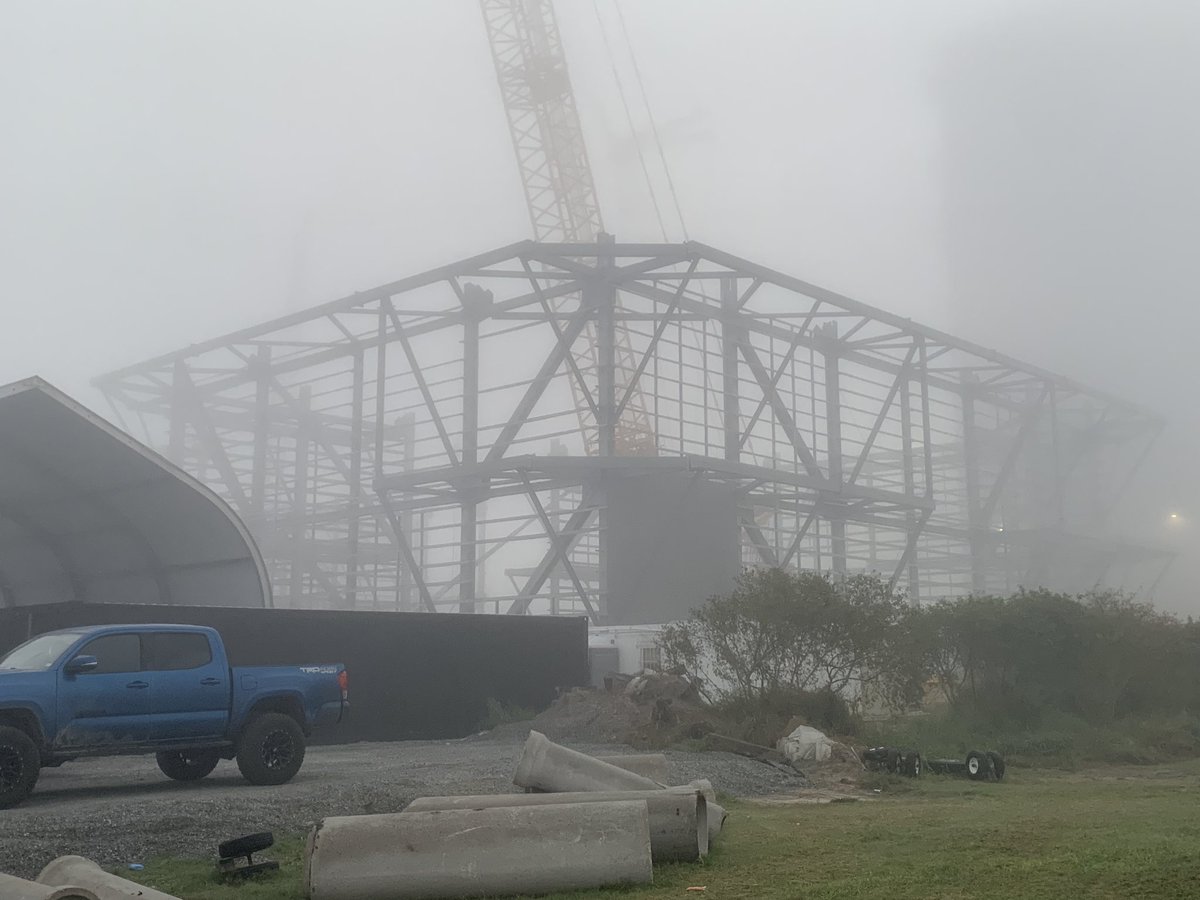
560 192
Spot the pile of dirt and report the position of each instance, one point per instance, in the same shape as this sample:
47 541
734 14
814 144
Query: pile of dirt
647 711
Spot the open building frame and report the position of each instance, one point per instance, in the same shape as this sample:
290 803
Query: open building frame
444 442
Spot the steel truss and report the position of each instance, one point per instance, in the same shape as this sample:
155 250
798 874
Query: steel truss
444 442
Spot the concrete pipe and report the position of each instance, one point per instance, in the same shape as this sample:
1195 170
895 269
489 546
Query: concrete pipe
716 812
678 816
68 870
13 888
547 766
648 765
479 852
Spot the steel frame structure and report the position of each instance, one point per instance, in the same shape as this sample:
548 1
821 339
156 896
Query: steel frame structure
444 442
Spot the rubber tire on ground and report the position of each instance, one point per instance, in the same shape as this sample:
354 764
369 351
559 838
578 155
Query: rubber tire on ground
187 765
258 756
892 766
22 761
245 845
982 766
998 766
911 761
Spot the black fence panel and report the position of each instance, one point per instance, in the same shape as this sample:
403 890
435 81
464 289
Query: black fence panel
412 675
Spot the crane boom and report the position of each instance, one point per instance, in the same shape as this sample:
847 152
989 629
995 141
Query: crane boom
560 192
543 120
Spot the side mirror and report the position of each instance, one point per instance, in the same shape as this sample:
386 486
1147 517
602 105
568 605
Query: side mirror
81 664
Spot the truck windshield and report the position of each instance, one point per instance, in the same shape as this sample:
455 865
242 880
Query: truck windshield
40 653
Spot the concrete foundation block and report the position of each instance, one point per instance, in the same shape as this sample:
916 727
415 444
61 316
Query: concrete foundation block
67 870
441 854
678 816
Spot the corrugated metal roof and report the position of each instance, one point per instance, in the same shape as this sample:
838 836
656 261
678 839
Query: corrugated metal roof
88 514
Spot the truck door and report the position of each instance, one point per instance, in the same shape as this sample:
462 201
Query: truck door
108 705
190 693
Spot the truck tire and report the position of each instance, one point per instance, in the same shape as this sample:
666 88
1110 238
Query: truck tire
20 765
979 767
271 749
187 765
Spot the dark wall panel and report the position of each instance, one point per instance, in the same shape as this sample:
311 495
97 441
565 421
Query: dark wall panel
412 675
672 544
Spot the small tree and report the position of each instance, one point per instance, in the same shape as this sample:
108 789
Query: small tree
779 631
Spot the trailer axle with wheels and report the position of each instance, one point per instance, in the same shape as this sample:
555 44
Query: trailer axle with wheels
977 765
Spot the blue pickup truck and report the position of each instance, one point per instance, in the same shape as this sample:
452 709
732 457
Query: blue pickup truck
163 689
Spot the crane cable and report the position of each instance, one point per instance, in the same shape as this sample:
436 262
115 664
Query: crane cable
637 71
629 119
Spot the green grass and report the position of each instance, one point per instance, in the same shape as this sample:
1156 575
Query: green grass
1102 833
1058 740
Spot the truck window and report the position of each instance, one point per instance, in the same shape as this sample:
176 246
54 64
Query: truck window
169 652
116 653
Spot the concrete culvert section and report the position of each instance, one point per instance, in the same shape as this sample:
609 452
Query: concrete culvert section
547 766
553 768
678 816
13 888
479 852
648 765
69 870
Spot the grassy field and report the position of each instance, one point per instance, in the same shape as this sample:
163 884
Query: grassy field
1129 832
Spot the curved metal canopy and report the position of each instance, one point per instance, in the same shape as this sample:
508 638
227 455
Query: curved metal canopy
88 514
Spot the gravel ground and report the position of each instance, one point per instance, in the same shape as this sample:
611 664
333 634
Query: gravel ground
124 810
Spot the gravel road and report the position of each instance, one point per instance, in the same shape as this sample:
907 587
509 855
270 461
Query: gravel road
124 810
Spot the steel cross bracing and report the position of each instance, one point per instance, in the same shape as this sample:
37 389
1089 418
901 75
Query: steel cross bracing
552 159
419 445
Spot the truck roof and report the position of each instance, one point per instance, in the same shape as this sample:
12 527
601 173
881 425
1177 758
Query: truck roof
127 627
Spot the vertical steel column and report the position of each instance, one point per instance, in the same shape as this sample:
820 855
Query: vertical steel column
468 491
833 437
971 480
731 335
600 296
262 431
355 510
179 385
406 599
910 486
300 499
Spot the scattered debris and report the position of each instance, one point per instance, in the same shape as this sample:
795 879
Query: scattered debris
893 760
806 744
768 755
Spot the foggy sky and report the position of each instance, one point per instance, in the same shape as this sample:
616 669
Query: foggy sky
172 171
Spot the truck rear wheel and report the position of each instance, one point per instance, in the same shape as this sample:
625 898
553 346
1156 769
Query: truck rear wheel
271 749
187 765
20 765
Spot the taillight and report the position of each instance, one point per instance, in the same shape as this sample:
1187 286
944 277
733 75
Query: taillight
344 683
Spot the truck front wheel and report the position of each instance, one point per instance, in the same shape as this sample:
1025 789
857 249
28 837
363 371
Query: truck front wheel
20 764
271 749
188 765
